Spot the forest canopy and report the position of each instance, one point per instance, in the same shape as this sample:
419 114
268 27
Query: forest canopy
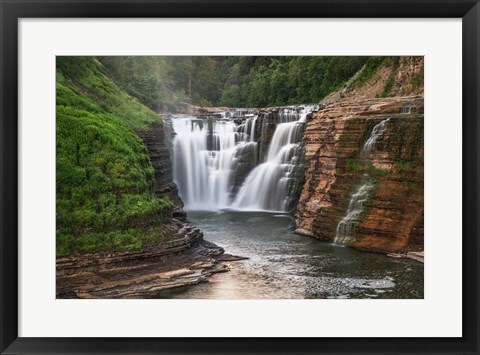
105 196
162 82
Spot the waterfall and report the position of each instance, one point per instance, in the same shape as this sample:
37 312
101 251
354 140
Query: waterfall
252 129
205 154
268 185
215 159
346 227
377 131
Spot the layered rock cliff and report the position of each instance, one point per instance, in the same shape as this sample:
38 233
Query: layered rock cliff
392 215
182 258
159 153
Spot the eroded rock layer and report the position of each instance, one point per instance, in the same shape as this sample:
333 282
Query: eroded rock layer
182 258
159 153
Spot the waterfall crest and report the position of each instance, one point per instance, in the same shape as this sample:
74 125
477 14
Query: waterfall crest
216 160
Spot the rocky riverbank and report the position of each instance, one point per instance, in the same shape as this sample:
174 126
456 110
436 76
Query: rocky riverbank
182 258
412 255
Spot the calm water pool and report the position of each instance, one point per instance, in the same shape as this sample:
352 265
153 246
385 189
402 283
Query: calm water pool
285 265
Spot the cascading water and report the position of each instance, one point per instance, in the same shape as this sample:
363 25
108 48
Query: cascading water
377 131
268 185
205 155
346 227
215 160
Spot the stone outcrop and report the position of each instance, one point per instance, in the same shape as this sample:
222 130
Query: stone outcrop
182 258
392 219
397 77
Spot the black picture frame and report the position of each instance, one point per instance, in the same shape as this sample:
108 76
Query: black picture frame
11 11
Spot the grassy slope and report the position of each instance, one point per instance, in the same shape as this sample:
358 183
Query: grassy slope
105 198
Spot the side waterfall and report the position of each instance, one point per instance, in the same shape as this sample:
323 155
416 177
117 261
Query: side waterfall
346 227
215 159
377 131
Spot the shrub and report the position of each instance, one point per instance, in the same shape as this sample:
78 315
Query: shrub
388 88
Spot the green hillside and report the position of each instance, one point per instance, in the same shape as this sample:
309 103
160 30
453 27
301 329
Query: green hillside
104 195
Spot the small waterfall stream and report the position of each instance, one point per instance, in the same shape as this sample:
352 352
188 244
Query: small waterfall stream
346 227
224 163
377 131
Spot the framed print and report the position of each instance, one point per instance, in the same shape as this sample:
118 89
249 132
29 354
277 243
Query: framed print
239 177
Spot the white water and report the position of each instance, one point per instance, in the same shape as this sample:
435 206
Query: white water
252 129
377 131
210 154
346 227
202 174
267 186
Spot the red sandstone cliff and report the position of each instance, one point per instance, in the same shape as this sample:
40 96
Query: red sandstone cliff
392 217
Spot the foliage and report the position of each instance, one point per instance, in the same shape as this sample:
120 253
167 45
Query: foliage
104 178
356 166
417 79
353 164
371 66
403 165
412 186
147 78
87 84
237 81
388 87
118 240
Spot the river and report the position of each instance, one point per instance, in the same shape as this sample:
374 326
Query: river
284 265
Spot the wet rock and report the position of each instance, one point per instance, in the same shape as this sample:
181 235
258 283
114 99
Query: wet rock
229 257
183 258
413 255
392 220
159 153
